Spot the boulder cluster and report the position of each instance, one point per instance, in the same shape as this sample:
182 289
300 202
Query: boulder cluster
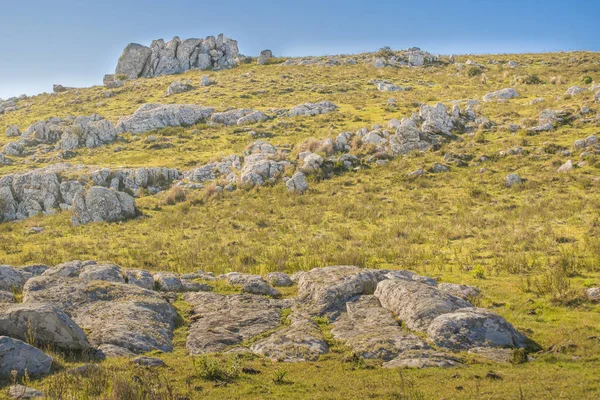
103 310
176 56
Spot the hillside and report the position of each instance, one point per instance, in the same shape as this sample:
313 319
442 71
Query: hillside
432 199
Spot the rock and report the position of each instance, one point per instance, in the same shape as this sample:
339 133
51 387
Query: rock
593 294
439 168
190 286
494 354
416 59
423 359
326 290
44 324
374 138
70 269
512 180
140 278
238 117
102 272
416 174
409 138
575 90
225 321
13 149
473 327
264 57
279 279
16 355
177 56
12 278
206 81
504 94
148 361
7 297
150 117
312 109
117 314
311 162
113 81
61 88
511 64
237 278
385 86
24 392
297 183
262 288
302 340
178 87
463 291
27 194
100 204
4 161
13 131
566 167
372 332
168 282
416 304
110 350
258 173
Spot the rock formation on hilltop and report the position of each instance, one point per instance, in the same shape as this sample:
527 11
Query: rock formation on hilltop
177 56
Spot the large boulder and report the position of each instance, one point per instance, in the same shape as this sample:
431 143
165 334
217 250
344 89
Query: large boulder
150 117
409 138
18 356
100 204
416 304
224 321
501 95
121 315
42 323
261 172
176 56
264 57
473 327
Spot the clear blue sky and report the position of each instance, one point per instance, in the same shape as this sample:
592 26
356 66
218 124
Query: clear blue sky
75 42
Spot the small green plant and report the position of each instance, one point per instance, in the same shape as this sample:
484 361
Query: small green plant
211 369
279 377
478 272
474 71
586 80
518 356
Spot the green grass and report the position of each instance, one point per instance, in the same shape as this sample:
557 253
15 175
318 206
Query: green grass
531 249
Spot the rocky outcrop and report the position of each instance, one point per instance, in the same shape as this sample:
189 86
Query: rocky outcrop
312 109
151 117
225 321
238 117
177 56
100 204
12 279
18 356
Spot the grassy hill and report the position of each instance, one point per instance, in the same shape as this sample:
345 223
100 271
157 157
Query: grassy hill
532 249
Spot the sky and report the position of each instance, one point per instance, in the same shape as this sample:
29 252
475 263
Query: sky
76 42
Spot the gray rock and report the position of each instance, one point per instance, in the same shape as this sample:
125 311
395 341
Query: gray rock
312 109
100 204
7 297
24 392
498 355
178 87
167 282
372 332
279 279
141 278
117 314
593 294
133 60
12 278
112 81
13 149
473 327
228 320
238 117
42 323
311 162
297 183
261 172
190 286
436 119
206 81
237 278
148 361
409 138
575 90
110 350
70 269
439 168
463 291
102 272
504 94
302 340
264 57
150 117
566 167
13 131
35 269
512 180
416 304
423 359
261 288
16 355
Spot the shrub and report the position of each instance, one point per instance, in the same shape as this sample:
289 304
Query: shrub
532 79
586 80
176 195
211 369
474 71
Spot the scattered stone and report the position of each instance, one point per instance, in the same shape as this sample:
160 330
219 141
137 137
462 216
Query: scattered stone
206 81
512 180
148 362
463 291
503 356
61 88
264 57
312 109
593 294
13 131
167 282
279 279
423 359
238 117
504 94
24 392
297 183
262 288
178 87
566 167
575 90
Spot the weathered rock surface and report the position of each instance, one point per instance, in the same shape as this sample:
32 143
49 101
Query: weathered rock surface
264 57
262 288
463 291
116 314
244 116
279 279
7 297
167 282
16 355
416 304
512 180
222 321
423 359
302 340
12 131
149 117
503 94
24 392
12 278
43 323
473 327
177 56
100 204
178 87
297 183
